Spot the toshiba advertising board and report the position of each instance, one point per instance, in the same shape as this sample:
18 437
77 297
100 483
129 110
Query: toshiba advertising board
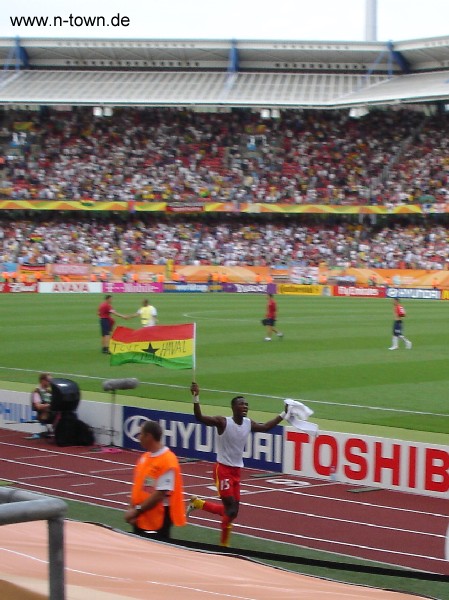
370 461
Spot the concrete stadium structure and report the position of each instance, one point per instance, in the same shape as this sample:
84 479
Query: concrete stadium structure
221 74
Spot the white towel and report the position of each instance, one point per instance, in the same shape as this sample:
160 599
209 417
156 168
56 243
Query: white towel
298 414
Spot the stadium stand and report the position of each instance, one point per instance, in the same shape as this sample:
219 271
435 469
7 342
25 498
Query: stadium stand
398 244
208 140
304 157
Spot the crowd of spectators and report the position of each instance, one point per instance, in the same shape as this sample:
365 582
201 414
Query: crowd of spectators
177 156
228 242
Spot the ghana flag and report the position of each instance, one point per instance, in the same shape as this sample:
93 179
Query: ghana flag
171 346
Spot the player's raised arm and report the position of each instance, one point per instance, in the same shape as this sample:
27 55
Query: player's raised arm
218 422
269 424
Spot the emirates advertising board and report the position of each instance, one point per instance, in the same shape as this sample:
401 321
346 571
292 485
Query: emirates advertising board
18 287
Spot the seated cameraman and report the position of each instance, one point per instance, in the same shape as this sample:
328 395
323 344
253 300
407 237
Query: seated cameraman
41 399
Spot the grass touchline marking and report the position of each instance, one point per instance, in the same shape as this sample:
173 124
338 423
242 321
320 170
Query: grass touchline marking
249 394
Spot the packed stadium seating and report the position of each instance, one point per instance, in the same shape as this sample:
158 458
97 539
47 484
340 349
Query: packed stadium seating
234 241
388 157
325 157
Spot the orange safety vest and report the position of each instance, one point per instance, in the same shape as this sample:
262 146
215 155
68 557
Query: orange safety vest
146 472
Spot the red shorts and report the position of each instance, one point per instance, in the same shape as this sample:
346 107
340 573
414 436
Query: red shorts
227 481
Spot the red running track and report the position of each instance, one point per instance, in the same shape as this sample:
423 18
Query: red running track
394 528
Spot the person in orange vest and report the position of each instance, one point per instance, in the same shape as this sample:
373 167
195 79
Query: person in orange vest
135 277
160 278
258 278
93 277
157 489
5 275
22 278
103 276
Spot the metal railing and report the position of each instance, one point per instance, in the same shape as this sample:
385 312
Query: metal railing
19 506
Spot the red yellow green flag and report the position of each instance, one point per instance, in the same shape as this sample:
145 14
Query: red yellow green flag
171 346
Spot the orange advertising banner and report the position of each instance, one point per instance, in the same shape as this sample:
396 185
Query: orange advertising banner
248 274
388 277
220 207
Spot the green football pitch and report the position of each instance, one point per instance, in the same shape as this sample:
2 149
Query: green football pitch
334 355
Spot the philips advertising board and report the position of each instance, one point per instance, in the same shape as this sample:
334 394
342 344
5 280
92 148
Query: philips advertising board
190 439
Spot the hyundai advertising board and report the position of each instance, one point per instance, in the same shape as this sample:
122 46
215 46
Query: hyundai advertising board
190 439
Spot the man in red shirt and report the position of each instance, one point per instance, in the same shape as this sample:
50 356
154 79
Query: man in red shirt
270 319
399 314
105 311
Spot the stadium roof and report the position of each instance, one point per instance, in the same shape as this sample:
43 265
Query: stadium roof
222 72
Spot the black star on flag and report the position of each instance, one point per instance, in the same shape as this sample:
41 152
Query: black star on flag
150 349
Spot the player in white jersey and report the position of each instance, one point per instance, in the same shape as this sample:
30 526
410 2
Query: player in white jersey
147 314
232 436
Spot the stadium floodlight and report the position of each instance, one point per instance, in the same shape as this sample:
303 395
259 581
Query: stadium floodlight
265 113
97 111
107 111
275 113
